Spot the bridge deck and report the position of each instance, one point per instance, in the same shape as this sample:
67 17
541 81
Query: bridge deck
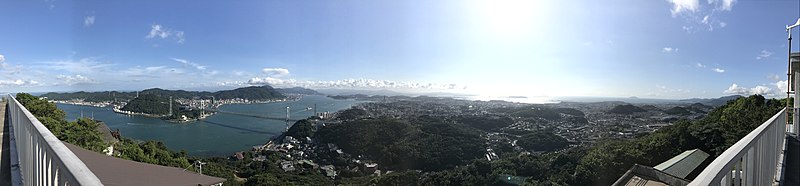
253 115
5 160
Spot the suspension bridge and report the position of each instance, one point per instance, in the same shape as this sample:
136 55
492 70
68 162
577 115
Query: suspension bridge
287 118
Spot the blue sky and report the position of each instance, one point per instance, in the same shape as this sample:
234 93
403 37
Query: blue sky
614 48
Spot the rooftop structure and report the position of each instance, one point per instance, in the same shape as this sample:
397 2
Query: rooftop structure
684 163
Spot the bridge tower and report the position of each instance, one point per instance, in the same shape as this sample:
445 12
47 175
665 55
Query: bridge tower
170 106
287 119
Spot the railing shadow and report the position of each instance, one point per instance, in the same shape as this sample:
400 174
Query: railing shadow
5 154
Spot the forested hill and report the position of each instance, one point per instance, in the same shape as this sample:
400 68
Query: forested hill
151 104
626 109
91 96
252 93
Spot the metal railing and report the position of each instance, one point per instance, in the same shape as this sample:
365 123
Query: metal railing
753 160
38 157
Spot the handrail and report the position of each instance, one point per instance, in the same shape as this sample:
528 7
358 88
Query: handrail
43 158
750 161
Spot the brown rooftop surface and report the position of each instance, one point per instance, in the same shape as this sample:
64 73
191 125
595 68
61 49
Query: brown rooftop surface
116 171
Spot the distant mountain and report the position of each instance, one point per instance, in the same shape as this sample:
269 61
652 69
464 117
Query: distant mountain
298 90
252 93
626 109
699 108
176 93
650 108
714 102
91 96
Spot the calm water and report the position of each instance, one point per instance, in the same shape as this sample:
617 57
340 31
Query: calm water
218 135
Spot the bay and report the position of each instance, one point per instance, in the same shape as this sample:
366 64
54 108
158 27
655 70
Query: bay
219 135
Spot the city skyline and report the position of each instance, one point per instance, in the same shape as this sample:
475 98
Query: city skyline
652 49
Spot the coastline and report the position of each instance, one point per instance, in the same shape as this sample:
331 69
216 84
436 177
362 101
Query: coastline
117 108
220 135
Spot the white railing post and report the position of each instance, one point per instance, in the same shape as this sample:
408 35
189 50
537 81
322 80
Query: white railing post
41 157
796 104
751 160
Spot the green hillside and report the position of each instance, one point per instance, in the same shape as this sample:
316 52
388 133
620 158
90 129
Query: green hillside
626 109
151 104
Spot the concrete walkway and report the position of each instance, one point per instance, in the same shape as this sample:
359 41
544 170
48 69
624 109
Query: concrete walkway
5 169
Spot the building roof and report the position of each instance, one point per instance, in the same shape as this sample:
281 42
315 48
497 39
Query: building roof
640 175
684 163
117 171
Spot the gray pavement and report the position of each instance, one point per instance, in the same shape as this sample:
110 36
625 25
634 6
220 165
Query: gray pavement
5 169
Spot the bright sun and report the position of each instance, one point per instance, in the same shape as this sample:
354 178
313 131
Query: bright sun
508 18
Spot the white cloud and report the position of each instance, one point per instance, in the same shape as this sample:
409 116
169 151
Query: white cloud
727 5
735 89
2 58
275 72
688 29
680 6
718 70
158 31
700 65
350 84
699 15
160 72
179 37
240 73
761 90
88 21
774 77
776 89
74 80
18 83
268 81
782 86
764 54
82 66
188 63
669 49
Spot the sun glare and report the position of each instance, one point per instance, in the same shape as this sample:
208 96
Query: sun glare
508 18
